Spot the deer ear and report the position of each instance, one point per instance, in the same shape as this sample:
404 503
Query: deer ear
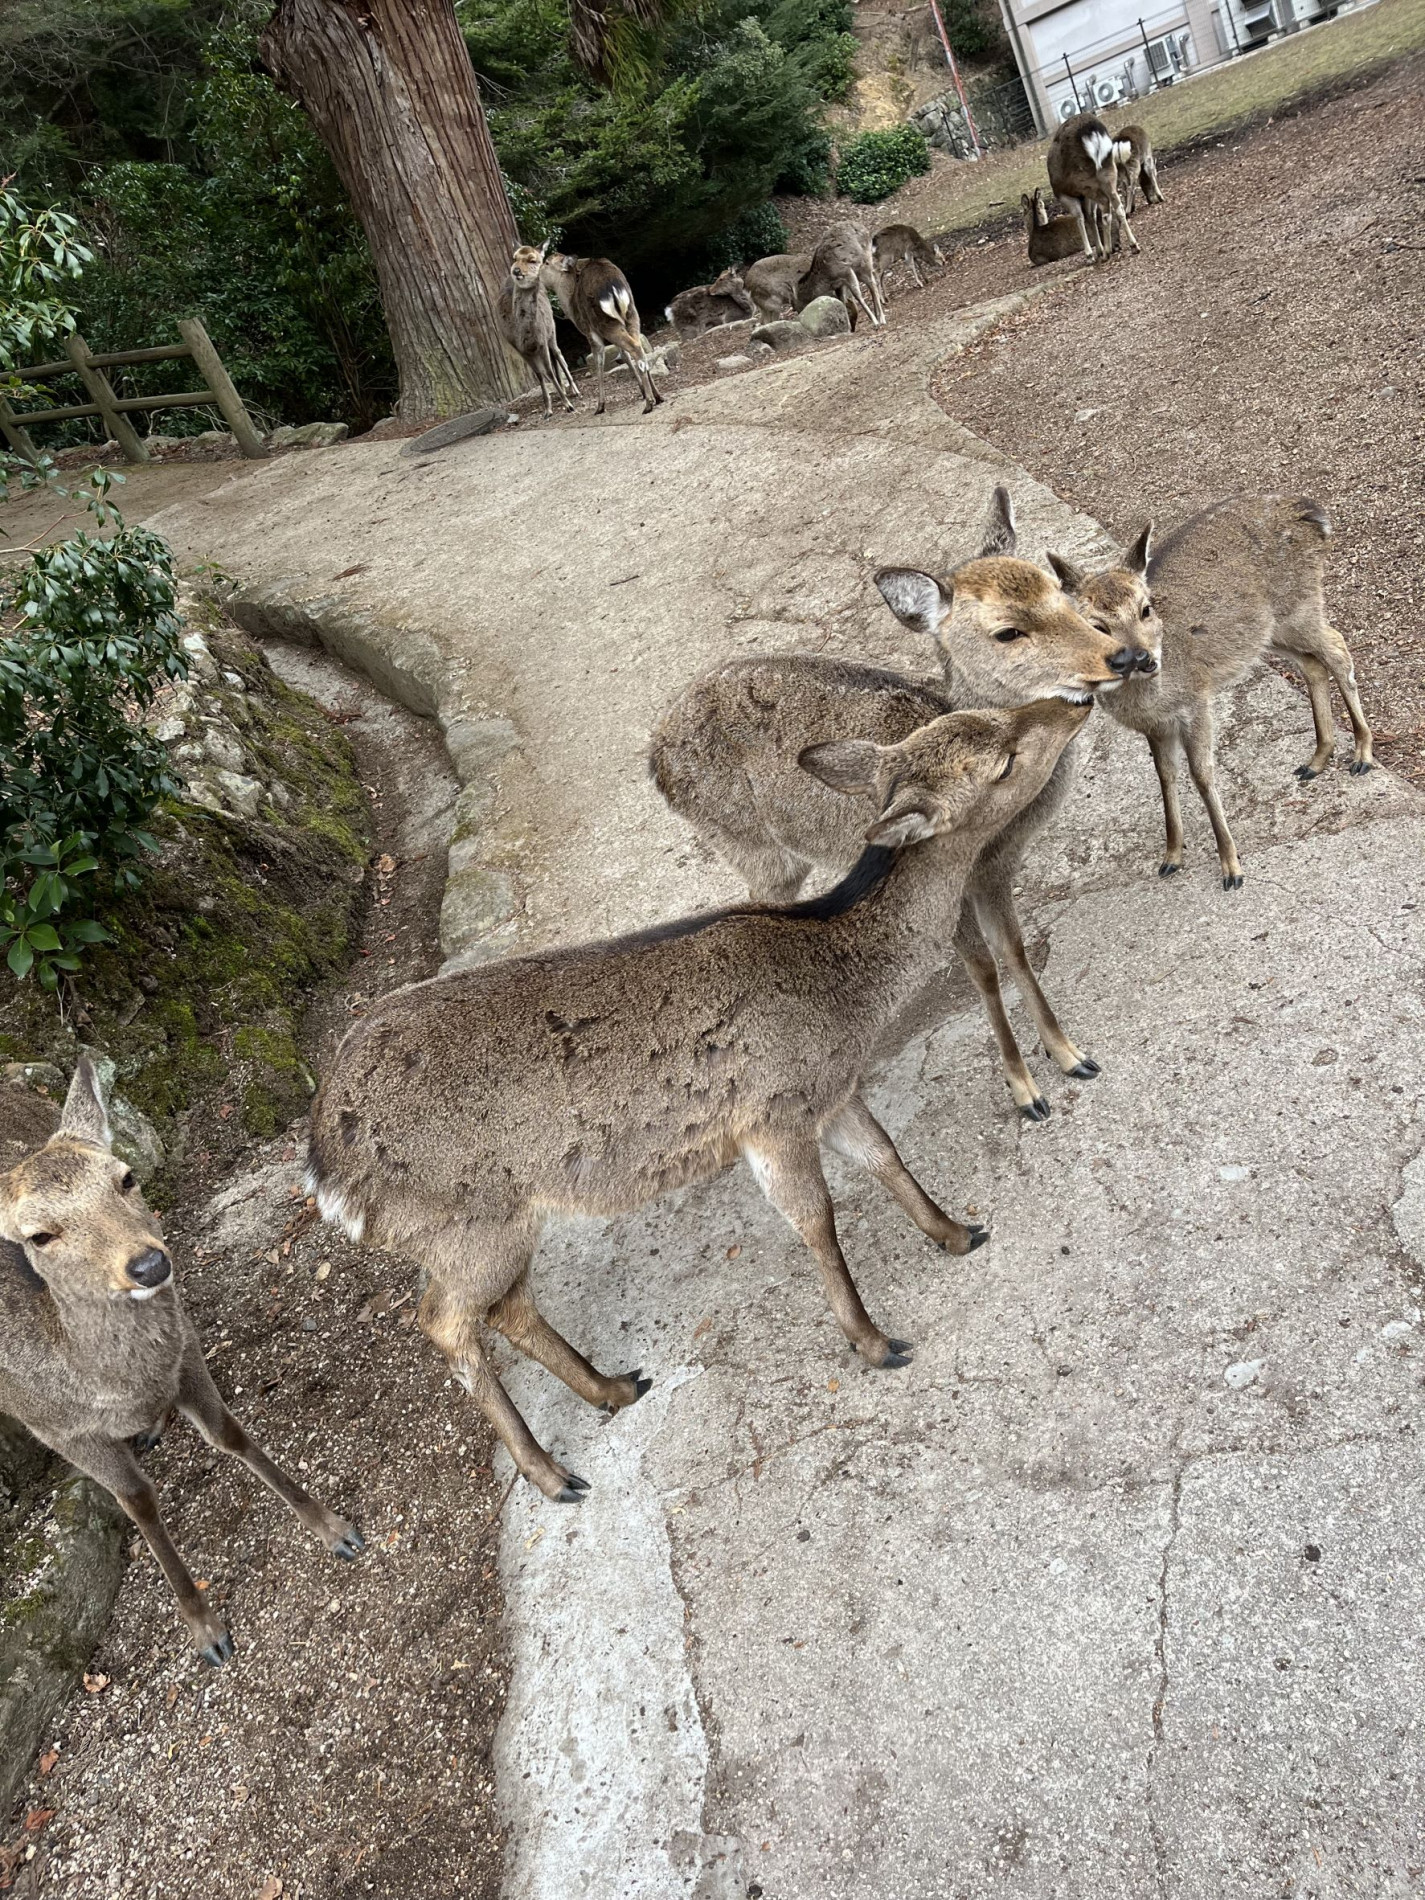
846 765
1071 578
1137 558
906 820
85 1115
1000 532
917 600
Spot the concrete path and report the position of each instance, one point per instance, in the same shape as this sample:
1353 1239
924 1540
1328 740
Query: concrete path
1116 1591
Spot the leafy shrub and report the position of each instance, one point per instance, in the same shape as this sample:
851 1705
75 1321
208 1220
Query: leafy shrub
878 163
759 232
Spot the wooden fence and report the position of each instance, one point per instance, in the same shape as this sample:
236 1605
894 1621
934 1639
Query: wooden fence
116 410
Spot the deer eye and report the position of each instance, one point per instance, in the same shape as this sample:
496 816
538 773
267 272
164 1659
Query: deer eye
1008 768
128 1184
1005 634
41 1239
1146 611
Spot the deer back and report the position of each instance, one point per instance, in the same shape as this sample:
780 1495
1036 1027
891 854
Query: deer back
1080 159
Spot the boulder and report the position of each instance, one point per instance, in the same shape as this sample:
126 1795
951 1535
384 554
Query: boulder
212 439
726 365
826 316
307 435
785 336
457 429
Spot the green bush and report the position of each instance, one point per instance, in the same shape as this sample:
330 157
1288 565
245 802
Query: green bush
878 163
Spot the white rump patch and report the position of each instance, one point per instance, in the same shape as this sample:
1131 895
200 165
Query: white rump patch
1122 152
333 1205
614 303
1099 147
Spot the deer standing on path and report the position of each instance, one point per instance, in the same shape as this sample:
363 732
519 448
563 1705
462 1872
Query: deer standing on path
843 266
1243 576
1082 172
1133 155
462 1113
96 1349
594 295
724 755
772 281
527 323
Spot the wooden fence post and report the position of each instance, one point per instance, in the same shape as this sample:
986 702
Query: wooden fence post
17 437
101 394
224 391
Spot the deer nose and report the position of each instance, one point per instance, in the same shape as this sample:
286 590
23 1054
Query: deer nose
1144 661
1126 659
149 1268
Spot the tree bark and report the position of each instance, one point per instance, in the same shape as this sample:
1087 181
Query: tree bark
390 91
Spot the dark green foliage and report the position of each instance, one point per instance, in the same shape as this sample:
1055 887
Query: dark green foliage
878 163
757 233
976 31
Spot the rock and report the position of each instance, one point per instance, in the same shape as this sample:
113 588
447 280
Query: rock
826 316
212 439
235 680
388 425
136 1139
476 901
159 444
223 748
1395 1330
759 352
1235 1172
167 730
307 435
279 795
239 793
785 336
201 663
1244 1373
729 364
457 429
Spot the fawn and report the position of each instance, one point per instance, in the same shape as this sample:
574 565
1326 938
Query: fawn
594 295
527 323
1051 237
902 244
96 1349
771 282
1133 156
842 266
709 306
1082 172
1243 576
724 754
463 1112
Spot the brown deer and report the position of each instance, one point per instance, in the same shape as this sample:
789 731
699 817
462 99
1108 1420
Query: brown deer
771 282
709 306
96 1349
1133 156
1051 237
896 244
527 324
1082 172
1241 577
842 266
724 754
463 1113
594 295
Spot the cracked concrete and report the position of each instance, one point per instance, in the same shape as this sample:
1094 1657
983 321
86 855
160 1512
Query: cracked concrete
1061 1609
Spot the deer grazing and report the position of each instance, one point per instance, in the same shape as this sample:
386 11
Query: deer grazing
1082 172
1133 156
96 1349
594 295
842 266
902 244
772 281
527 323
1239 578
709 306
1050 237
464 1112
724 755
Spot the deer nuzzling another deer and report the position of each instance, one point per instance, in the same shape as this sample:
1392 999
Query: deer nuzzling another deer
1083 173
95 1346
842 266
463 1113
595 296
710 306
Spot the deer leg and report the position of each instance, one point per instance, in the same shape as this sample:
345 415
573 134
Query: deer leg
853 290
1199 742
1165 747
877 298
788 1171
994 907
544 390
1336 657
1119 223
114 1466
858 1136
597 350
571 388
1318 687
1081 216
200 1402
528 1331
979 964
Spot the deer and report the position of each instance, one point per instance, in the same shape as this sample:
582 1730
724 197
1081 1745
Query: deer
1082 172
709 306
463 1113
1051 236
527 324
1133 157
771 282
595 296
840 265
724 754
902 244
96 1348
1242 577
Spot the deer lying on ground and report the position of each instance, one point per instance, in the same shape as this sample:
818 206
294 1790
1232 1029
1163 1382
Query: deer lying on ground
724 755
1239 578
709 306
462 1113
1082 172
771 282
1050 237
1133 156
96 1349
842 266
527 323
902 244
594 295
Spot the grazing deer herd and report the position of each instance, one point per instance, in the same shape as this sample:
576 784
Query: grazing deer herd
463 1114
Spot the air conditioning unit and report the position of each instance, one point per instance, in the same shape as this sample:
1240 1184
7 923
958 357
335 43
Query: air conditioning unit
1105 92
1165 58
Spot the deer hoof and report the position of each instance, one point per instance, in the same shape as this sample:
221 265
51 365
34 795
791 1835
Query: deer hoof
1306 771
640 1386
1086 1069
898 1354
978 1236
1035 1111
1359 767
1168 869
1232 881
573 1491
217 1652
349 1546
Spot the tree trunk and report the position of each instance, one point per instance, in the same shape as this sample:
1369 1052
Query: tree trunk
389 89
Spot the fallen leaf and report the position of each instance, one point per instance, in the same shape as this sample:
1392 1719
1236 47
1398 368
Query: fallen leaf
225 1111
704 1325
38 1819
833 1385
733 1252
324 1267
172 1696
271 1889
385 864
48 1760
530 1542
96 1684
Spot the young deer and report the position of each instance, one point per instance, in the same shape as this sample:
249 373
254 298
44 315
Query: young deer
709 306
463 1112
902 244
771 282
527 323
840 266
1239 578
1082 172
1133 156
594 295
724 755
96 1349
1050 237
